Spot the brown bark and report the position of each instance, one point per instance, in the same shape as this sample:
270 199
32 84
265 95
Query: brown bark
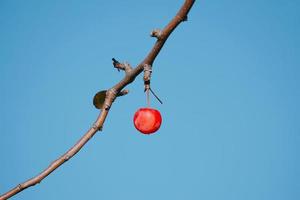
111 95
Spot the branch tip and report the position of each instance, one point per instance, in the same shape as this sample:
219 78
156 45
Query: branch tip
116 64
121 66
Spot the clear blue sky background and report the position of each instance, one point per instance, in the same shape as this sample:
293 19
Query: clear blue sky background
229 79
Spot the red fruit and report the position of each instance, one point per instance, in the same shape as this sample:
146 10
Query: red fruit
147 120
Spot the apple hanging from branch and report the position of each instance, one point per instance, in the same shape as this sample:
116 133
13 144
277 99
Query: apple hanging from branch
147 120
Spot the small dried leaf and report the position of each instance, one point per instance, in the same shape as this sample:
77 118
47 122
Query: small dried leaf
99 99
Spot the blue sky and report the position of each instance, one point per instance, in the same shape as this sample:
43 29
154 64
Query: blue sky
229 79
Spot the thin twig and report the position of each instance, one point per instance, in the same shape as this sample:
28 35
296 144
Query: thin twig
111 95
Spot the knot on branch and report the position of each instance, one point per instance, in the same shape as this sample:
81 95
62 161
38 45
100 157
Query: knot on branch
121 66
147 75
67 157
156 33
110 97
97 127
182 18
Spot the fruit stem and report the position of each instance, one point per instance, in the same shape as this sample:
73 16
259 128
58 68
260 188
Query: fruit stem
148 98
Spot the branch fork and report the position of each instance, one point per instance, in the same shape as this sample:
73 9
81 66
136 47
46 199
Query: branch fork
111 95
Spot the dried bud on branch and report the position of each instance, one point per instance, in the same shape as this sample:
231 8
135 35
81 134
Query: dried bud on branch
156 33
121 66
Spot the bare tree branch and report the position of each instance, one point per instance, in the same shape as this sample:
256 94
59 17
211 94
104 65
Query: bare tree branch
111 95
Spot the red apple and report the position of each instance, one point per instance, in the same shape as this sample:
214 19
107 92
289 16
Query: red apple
147 120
